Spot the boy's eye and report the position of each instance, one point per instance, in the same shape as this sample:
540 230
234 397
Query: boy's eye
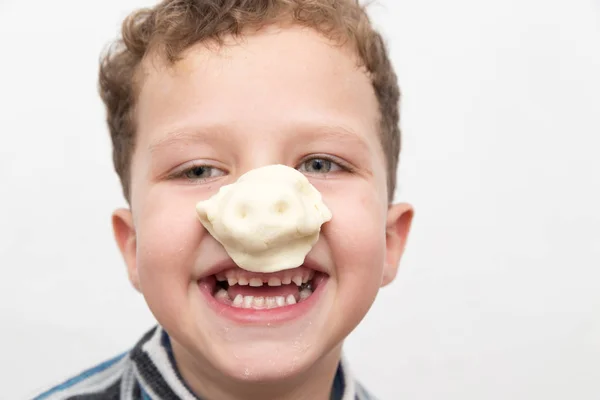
201 172
319 166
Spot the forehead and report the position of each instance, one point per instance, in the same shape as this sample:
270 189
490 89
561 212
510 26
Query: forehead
277 80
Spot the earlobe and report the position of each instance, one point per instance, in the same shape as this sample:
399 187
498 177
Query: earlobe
124 231
399 220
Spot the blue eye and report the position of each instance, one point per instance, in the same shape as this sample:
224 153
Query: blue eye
319 166
202 172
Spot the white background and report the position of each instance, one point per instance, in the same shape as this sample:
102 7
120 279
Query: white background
499 292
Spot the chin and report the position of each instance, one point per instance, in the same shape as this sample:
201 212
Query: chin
266 364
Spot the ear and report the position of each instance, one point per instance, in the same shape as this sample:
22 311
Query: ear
124 231
399 220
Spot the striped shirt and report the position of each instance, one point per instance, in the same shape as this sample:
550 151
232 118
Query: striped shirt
149 372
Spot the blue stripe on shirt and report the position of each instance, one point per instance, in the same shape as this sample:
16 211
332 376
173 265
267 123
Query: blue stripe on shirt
84 375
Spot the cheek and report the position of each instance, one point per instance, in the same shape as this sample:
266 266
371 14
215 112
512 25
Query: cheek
167 224
357 239
168 235
168 231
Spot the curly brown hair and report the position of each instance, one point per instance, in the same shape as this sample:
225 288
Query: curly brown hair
173 26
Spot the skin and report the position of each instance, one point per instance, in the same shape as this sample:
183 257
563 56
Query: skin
279 96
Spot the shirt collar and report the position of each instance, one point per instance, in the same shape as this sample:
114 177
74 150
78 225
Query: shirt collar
158 376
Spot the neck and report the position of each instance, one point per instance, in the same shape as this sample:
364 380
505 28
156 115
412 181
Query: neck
315 383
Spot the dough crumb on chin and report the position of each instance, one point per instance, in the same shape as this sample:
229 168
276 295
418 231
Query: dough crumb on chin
268 220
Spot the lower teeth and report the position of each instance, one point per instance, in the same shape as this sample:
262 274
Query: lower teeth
260 302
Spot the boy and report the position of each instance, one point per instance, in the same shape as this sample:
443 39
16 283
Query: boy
198 93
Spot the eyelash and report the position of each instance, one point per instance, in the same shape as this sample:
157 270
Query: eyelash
344 166
181 174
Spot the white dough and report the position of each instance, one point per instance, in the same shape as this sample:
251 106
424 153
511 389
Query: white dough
268 220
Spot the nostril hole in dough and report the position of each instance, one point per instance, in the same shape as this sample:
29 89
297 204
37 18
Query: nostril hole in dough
242 212
281 207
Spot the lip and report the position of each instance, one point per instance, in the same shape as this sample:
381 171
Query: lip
227 264
218 267
246 316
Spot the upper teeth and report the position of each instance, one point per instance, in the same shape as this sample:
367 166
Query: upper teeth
297 280
274 281
256 282
235 278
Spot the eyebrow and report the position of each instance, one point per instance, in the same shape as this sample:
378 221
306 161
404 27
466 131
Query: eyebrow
336 133
206 134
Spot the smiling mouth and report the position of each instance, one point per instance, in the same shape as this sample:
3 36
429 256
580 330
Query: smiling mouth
241 289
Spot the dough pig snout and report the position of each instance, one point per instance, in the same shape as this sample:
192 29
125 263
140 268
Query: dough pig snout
268 220
261 216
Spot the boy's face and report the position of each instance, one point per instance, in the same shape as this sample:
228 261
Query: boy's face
278 97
